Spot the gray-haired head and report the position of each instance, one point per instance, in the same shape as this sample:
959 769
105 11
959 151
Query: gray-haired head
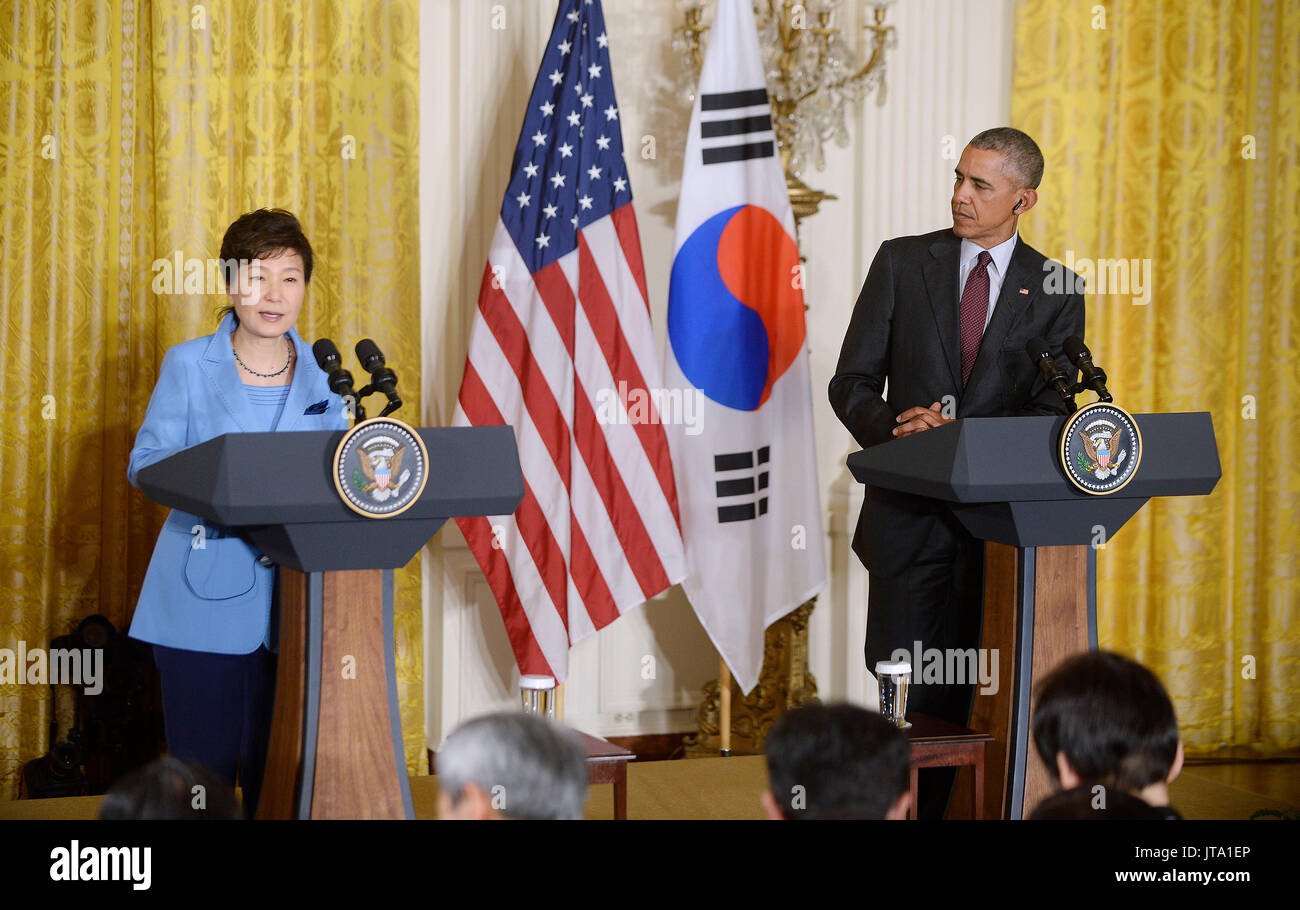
531 768
1024 157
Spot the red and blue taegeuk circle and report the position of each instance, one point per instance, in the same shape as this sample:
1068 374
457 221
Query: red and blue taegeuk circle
735 309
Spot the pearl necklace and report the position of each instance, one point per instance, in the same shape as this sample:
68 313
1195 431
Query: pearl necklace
287 360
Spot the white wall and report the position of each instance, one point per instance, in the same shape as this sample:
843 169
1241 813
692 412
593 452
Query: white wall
949 76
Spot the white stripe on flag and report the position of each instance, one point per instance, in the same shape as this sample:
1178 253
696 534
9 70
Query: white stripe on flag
553 360
601 507
543 621
626 295
625 446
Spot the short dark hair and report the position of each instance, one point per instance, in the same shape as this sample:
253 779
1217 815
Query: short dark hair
1110 717
165 789
1086 804
847 762
1022 152
257 235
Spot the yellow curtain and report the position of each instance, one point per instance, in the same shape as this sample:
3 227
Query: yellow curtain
133 133
1171 131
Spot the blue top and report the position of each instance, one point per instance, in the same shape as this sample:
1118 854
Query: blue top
205 589
268 404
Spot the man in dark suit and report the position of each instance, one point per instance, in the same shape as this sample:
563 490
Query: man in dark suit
944 319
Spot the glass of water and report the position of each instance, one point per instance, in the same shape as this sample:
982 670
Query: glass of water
893 677
538 695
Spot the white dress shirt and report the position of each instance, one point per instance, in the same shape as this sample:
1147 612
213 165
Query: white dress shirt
997 269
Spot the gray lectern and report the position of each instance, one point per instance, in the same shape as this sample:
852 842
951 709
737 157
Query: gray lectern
1004 482
336 738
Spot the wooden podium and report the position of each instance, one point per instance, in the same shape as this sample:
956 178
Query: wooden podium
1004 483
336 736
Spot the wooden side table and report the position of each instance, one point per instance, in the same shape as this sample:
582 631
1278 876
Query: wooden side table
607 764
939 744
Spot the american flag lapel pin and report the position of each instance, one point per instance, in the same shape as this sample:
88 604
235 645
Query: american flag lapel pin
1024 290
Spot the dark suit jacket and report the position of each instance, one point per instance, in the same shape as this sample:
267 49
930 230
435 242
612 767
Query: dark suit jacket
906 329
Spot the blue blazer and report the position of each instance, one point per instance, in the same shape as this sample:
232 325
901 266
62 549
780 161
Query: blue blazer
215 597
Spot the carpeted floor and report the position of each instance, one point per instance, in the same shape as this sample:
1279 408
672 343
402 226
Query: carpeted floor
728 788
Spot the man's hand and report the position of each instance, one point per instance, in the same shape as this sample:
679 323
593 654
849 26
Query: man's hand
914 420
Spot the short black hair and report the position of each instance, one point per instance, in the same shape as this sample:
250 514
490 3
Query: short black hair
1098 804
1022 152
255 235
1110 717
836 761
171 789
259 235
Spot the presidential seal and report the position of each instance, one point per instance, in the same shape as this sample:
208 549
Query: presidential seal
1101 448
380 467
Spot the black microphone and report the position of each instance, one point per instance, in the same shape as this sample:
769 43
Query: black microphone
1051 371
1094 377
340 380
382 379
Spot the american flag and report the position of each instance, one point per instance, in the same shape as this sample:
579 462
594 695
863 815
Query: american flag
563 324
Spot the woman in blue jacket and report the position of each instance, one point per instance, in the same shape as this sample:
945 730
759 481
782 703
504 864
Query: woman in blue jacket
206 600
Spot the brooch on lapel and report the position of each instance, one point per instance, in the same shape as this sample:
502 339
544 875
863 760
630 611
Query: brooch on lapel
319 407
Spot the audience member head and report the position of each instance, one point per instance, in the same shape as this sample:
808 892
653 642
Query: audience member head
169 789
1098 803
836 761
512 765
1103 719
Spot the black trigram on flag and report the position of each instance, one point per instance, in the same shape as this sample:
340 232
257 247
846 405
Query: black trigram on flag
739 129
741 484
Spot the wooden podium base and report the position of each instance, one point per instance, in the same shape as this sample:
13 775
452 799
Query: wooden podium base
336 736
1040 607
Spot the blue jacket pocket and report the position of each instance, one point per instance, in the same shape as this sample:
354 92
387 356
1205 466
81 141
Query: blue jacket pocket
222 569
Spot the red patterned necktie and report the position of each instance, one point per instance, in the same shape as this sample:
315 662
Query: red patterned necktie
974 310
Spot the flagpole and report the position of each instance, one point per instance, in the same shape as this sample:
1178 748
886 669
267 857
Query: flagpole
559 701
724 722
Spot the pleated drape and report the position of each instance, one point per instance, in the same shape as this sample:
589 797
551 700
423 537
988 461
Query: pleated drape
1171 130
131 134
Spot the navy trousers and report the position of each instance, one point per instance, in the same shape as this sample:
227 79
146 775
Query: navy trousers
217 712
